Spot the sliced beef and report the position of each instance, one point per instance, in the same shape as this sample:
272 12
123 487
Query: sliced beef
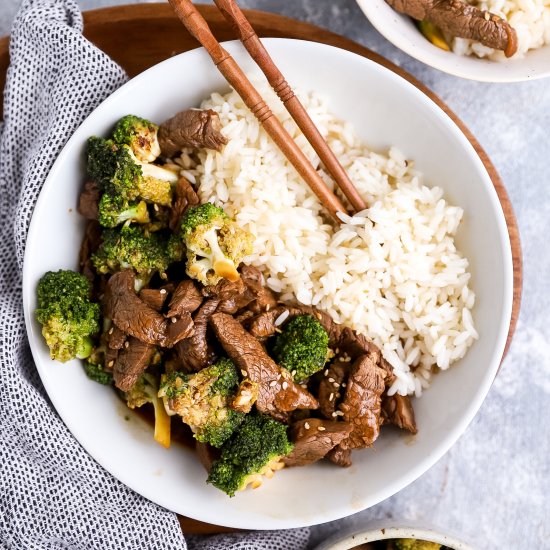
278 394
313 438
90 243
192 128
131 363
340 457
197 352
134 317
330 387
187 298
180 328
458 18
183 196
362 402
115 338
397 409
233 295
354 344
264 298
154 297
207 454
88 202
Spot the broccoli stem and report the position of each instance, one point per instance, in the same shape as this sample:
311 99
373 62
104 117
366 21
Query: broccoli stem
222 266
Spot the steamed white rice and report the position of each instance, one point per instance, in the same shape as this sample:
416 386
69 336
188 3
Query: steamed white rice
391 272
530 19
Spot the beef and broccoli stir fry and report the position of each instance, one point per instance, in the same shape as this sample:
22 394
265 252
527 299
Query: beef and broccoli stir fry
401 544
164 310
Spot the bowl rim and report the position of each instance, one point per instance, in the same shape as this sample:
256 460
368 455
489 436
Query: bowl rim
371 10
432 457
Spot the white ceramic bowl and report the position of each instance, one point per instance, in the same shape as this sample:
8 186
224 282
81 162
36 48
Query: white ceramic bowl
377 530
401 31
386 110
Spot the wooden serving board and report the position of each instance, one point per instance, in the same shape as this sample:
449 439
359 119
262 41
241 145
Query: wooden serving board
156 34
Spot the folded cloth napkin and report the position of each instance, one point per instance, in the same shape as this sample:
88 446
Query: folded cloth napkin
52 494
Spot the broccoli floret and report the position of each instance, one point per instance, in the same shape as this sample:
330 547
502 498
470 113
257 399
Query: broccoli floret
140 134
254 451
118 171
145 390
132 247
215 244
415 544
67 315
202 400
97 373
114 210
302 347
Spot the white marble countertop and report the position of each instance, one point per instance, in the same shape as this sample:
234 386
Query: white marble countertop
493 487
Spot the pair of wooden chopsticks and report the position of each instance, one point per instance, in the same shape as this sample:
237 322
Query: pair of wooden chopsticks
198 27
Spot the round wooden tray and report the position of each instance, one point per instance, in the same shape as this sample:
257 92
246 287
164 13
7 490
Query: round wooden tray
155 34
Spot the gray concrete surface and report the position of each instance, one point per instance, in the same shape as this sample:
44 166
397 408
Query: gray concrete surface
493 487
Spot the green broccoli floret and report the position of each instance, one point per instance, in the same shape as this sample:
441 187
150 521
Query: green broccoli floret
145 390
203 401
255 450
67 315
140 134
216 245
302 347
114 210
132 247
119 172
97 373
415 544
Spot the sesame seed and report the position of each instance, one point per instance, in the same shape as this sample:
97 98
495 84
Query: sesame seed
337 351
243 372
111 330
293 373
487 16
173 319
126 344
334 413
321 428
268 307
303 386
163 276
336 385
285 385
306 425
273 383
344 384
156 207
319 316
326 372
331 397
111 363
163 291
339 413
331 379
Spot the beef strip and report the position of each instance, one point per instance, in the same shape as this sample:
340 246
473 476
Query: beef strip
313 438
133 316
154 297
458 18
233 295
183 196
186 299
207 454
88 202
131 363
196 352
180 328
264 298
115 338
362 402
340 457
330 387
354 344
192 128
90 243
396 409
278 393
